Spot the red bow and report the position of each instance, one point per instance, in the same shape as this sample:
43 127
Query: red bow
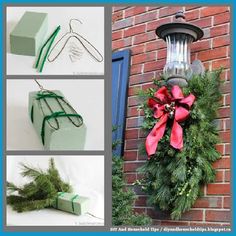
174 106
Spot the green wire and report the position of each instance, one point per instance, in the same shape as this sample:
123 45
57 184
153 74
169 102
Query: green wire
51 40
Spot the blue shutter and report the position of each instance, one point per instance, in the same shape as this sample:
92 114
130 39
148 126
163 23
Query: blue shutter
120 75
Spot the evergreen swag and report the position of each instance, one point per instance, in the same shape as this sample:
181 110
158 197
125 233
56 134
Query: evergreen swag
41 192
173 178
122 197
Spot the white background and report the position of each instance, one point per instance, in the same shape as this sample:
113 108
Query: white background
84 173
85 96
92 29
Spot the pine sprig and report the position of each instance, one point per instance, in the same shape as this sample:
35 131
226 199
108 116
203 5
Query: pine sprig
173 179
40 192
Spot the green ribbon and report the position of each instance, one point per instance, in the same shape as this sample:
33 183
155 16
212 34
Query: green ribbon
55 115
42 96
72 200
58 195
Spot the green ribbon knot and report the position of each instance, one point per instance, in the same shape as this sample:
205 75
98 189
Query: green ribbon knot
54 116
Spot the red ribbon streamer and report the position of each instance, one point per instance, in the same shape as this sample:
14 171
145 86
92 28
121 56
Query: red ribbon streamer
164 106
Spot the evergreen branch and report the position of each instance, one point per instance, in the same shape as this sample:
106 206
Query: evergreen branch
31 172
173 179
12 187
31 205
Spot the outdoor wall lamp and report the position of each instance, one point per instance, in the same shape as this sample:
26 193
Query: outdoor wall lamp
178 36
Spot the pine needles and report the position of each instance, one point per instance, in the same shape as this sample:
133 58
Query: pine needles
173 179
40 192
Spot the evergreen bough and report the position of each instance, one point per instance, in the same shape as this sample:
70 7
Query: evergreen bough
172 178
123 198
39 193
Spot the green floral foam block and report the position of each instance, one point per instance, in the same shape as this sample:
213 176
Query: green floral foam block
57 124
72 203
27 36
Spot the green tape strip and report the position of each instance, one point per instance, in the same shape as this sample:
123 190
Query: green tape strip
58 195
72 202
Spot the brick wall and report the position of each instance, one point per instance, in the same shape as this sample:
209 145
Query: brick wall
134 28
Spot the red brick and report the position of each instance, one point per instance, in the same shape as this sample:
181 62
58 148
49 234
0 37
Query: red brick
139 210
227 202
132 11
169 11
134 30
157 44
121 24
208 202
119 8
174 223
224 112
187 8
154 24
192 15
132 122
151 8
204 224
224 136
147 86
219 176
132 111
212 54
226 87
210 11
141 38
131 134
203 22
227 148
145 17
219 30
223 163
227 176
221 41
130 155
161 54
134 90
141 201
132 166
137 49
133 101
141 78
222 18
215 189
227 124
118 44
130 178
227 99
131 144
152 66
117 35
141 58
135 69
196 215
117 16
224 63
220 148
215 215
158 214
200 46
